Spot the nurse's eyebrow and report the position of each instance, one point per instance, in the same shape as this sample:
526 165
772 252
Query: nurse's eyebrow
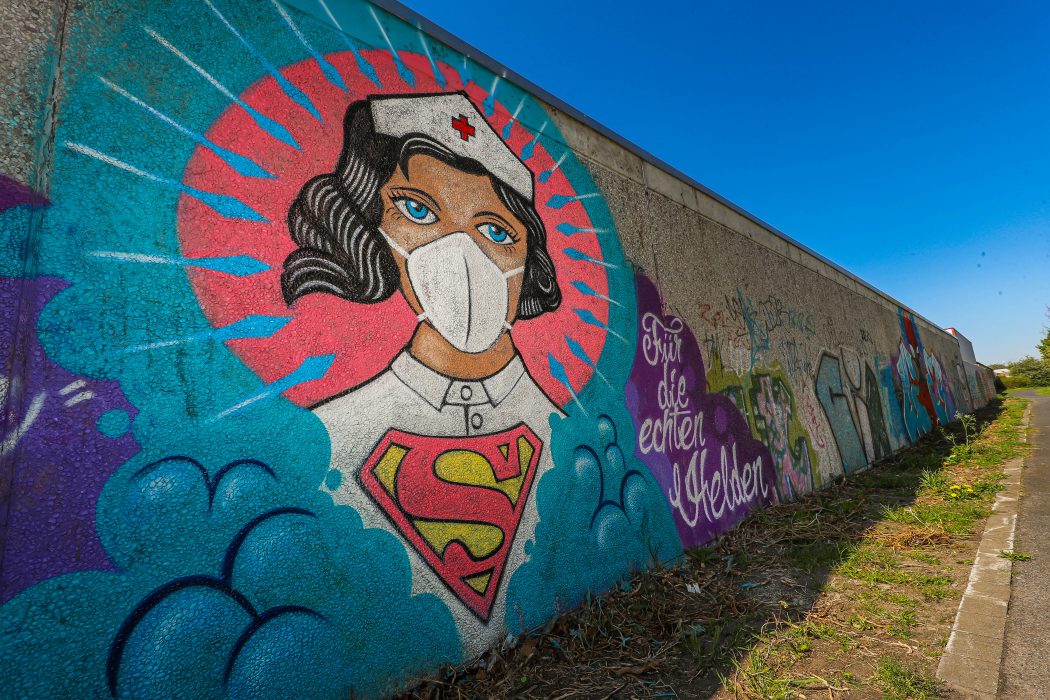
494 215
420 193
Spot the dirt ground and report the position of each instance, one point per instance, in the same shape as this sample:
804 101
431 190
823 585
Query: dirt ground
850 591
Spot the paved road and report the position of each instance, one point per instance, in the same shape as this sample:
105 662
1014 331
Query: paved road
1026 658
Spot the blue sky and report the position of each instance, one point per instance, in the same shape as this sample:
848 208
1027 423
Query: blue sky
907 141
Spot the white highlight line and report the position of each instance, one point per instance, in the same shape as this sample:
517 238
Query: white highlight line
328 12
186 59
82 396
517 110
133 257
72 386
382 30
30 417
159 115
88 151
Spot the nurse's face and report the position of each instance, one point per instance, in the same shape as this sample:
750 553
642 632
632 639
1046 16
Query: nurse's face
434 199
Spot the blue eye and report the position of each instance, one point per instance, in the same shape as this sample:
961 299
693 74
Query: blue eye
416 211
496 234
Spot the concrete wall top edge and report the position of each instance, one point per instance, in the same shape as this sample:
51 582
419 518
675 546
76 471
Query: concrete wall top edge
656 173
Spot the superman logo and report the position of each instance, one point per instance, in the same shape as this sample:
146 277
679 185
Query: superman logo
458 501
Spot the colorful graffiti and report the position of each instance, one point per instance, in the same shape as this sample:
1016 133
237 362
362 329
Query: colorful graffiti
696 443
766 399
855 407
325 366
926 397
332 322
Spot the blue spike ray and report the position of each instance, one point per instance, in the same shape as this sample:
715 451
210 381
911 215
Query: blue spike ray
557 201
366 68
243 165
439 77
402 69
270 126
530 147
236 265
327 68
574 254
569 229
513 118
228 206
585 288
558 372
546 174
590 319
312 368
289 89
248 327
254 326
577 350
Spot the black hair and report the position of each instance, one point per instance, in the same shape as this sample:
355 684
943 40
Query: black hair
335 222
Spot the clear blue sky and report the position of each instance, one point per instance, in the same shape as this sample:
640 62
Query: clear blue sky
907 141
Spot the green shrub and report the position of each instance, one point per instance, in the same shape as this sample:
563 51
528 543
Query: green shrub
1028 372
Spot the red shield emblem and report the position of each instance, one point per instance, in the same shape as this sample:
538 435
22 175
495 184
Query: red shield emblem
458 501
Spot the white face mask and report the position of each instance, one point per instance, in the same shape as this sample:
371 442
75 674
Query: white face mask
463 293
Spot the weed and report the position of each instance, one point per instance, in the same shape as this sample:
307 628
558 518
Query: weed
757 678
898 682
924 558
1015 556
901 623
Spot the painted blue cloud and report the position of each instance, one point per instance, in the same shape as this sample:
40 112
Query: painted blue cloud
237 582
600 520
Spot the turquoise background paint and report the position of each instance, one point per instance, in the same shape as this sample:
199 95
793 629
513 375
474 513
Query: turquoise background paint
160 523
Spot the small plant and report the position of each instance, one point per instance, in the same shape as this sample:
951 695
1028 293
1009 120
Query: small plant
969 425
1015 556
901 683
932 480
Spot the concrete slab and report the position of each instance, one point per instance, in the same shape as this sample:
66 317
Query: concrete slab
993 626
973 656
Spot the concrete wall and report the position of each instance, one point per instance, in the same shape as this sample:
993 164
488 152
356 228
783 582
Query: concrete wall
235 461
979 379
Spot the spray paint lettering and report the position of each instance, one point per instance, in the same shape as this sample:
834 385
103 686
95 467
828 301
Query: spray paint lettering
853 405
696 444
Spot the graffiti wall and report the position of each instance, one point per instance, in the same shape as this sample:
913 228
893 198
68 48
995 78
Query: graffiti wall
334 354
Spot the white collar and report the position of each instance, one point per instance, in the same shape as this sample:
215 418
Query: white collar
438 390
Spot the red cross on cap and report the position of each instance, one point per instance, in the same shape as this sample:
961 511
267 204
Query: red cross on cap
463 126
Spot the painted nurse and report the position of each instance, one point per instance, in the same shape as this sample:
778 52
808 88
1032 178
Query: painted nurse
442 447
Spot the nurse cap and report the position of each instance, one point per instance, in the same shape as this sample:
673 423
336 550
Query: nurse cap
452 120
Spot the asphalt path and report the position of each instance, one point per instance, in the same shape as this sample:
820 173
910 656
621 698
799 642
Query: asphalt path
1025 670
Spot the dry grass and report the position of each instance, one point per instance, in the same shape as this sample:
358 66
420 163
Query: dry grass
850 591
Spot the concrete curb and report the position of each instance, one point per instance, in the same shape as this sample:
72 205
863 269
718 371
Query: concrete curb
972 658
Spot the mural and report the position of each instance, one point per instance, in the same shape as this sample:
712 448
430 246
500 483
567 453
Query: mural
373 326
325 366
855 407
767 400
926 397
696 443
